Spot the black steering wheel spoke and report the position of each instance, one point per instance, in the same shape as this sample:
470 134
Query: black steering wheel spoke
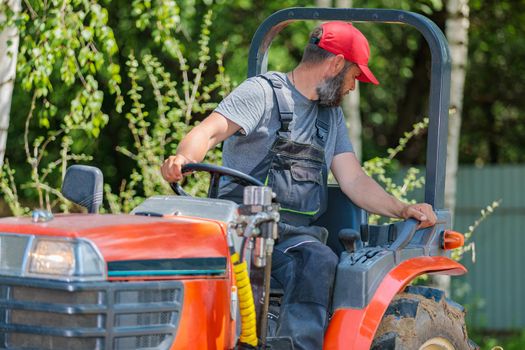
213 190
177 188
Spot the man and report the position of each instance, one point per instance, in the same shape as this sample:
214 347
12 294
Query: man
287 130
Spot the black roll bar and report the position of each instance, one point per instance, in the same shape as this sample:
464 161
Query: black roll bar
439 80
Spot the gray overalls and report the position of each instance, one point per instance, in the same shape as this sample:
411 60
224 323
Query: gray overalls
301 264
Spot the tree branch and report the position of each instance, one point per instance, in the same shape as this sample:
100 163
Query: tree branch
31 10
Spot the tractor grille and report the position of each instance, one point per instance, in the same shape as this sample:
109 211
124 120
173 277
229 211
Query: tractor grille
45 315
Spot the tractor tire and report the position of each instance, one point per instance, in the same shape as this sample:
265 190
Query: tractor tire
421 318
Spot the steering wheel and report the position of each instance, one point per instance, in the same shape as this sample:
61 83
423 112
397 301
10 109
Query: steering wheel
216 172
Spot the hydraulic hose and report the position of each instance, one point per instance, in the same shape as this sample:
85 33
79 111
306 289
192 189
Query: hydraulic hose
246 305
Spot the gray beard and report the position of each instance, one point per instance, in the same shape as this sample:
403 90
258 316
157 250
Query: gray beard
330 91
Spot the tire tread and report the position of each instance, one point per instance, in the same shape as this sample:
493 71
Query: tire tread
420 313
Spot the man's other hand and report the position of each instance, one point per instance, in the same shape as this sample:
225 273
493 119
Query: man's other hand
171 168
422 212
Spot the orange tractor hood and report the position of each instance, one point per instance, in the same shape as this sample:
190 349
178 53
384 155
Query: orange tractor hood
132 237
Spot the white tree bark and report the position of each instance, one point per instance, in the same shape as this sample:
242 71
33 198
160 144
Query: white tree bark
457 34
353 119
343 3
323 3
8 55
351 106
350 103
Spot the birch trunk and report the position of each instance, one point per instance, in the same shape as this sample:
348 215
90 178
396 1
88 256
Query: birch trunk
457 34
353 119
323 3
350 103
8 55
343 3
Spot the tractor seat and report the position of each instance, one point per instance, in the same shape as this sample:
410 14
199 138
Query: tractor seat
341 214
342 219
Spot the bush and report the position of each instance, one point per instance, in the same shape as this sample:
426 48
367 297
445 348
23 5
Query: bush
70 80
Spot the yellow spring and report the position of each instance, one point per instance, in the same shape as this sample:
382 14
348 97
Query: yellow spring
246 305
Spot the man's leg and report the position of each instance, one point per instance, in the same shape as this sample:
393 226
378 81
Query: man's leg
305 268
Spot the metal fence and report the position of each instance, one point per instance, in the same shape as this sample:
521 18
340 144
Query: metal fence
494 289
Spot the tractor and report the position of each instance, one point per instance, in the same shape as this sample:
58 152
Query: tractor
181 272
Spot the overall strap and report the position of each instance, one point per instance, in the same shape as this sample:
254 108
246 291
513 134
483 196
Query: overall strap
322 124
285 112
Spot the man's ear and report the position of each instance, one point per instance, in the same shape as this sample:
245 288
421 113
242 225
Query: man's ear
337 64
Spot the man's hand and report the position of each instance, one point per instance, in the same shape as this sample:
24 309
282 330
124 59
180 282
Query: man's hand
422 212
193 147
171 168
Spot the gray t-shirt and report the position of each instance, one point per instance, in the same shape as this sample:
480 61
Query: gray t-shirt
253 106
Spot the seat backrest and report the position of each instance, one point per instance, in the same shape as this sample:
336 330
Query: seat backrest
340 213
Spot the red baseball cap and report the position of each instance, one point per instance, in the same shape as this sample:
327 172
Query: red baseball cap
345 39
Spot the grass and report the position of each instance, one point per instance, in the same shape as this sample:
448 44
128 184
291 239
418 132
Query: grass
499 341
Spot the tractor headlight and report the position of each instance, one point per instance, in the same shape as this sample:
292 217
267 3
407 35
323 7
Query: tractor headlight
65 259
50 258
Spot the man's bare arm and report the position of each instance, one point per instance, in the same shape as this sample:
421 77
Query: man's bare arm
369 195
194 146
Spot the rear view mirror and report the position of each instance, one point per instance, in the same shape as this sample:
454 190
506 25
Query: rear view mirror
83 185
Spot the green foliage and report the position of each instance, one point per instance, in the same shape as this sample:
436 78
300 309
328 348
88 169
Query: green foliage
157 132
382 168
63 45
400 60
68 43
69 64
285 52
73 55
469 246
493 127
512 341
10 192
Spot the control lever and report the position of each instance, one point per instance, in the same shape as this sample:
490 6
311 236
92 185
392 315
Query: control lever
351 239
